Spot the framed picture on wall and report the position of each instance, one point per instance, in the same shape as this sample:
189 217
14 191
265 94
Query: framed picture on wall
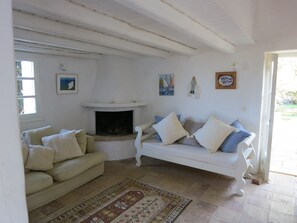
67 83
226 80
166 84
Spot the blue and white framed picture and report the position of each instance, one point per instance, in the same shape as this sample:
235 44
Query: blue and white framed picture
226 80
166 84
67 83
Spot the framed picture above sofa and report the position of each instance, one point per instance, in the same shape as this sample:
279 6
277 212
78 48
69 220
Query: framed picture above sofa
226 80
166 84
67 83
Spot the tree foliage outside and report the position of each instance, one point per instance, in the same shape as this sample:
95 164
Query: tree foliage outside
286 88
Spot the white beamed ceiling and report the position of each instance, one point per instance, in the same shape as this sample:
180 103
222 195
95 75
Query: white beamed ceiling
133 27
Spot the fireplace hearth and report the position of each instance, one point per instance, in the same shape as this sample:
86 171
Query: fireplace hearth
115 123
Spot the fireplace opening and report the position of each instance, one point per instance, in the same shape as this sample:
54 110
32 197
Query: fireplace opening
118 123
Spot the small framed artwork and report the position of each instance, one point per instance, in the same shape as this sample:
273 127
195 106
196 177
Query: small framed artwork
166 84
226 80
67 83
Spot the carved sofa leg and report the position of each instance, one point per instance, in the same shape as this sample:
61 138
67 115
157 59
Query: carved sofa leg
138 159
240 182
247 174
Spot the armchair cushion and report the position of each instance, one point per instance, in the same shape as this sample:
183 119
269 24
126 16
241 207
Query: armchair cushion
33 136
81 138
36 181
25 151
67 169
64 144
40 158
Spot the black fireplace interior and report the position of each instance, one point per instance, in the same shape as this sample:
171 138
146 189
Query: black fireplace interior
114 123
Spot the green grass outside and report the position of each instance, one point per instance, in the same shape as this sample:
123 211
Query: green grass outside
288 112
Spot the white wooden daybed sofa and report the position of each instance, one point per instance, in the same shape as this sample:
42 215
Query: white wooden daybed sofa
236 165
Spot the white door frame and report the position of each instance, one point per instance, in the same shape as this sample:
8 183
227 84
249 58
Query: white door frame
267 112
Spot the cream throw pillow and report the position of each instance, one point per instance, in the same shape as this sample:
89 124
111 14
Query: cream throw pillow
81 138
40 158
64 144
170 129
25 151
213 134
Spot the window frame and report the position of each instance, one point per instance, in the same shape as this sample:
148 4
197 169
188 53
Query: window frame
39 115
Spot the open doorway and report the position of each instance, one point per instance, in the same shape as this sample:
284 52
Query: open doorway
284 134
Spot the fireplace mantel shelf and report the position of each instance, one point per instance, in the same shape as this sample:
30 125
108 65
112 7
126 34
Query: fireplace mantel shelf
113 105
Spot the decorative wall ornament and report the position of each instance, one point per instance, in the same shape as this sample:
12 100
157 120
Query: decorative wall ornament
166 84
194 89
67 83
62 67
226 80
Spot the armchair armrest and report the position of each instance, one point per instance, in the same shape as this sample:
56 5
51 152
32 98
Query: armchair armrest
90 144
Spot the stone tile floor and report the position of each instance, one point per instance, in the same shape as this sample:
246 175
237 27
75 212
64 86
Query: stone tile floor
284 145
213 198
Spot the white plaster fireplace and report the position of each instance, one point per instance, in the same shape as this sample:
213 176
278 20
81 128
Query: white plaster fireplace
116 141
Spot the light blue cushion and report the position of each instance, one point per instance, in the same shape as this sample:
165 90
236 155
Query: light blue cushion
231 142
158 119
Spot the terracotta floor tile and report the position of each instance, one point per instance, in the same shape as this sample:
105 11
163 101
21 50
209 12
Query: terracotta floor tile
50 207
234 197
205 207
263 203
285 191
277 217
69 198
228 215
284 208
256 213
216 220
36 214
248 219
213 197
283 198
263 194
233 205
192 215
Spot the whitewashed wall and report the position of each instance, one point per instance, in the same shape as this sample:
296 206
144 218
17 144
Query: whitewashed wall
274 30
117 81
241 103
64 111
121 79
13 208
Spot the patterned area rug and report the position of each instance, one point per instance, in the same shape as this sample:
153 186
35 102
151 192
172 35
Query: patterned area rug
127 202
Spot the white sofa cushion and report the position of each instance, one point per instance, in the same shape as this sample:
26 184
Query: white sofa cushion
213 134
187 152
64 144
40 158
170 129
